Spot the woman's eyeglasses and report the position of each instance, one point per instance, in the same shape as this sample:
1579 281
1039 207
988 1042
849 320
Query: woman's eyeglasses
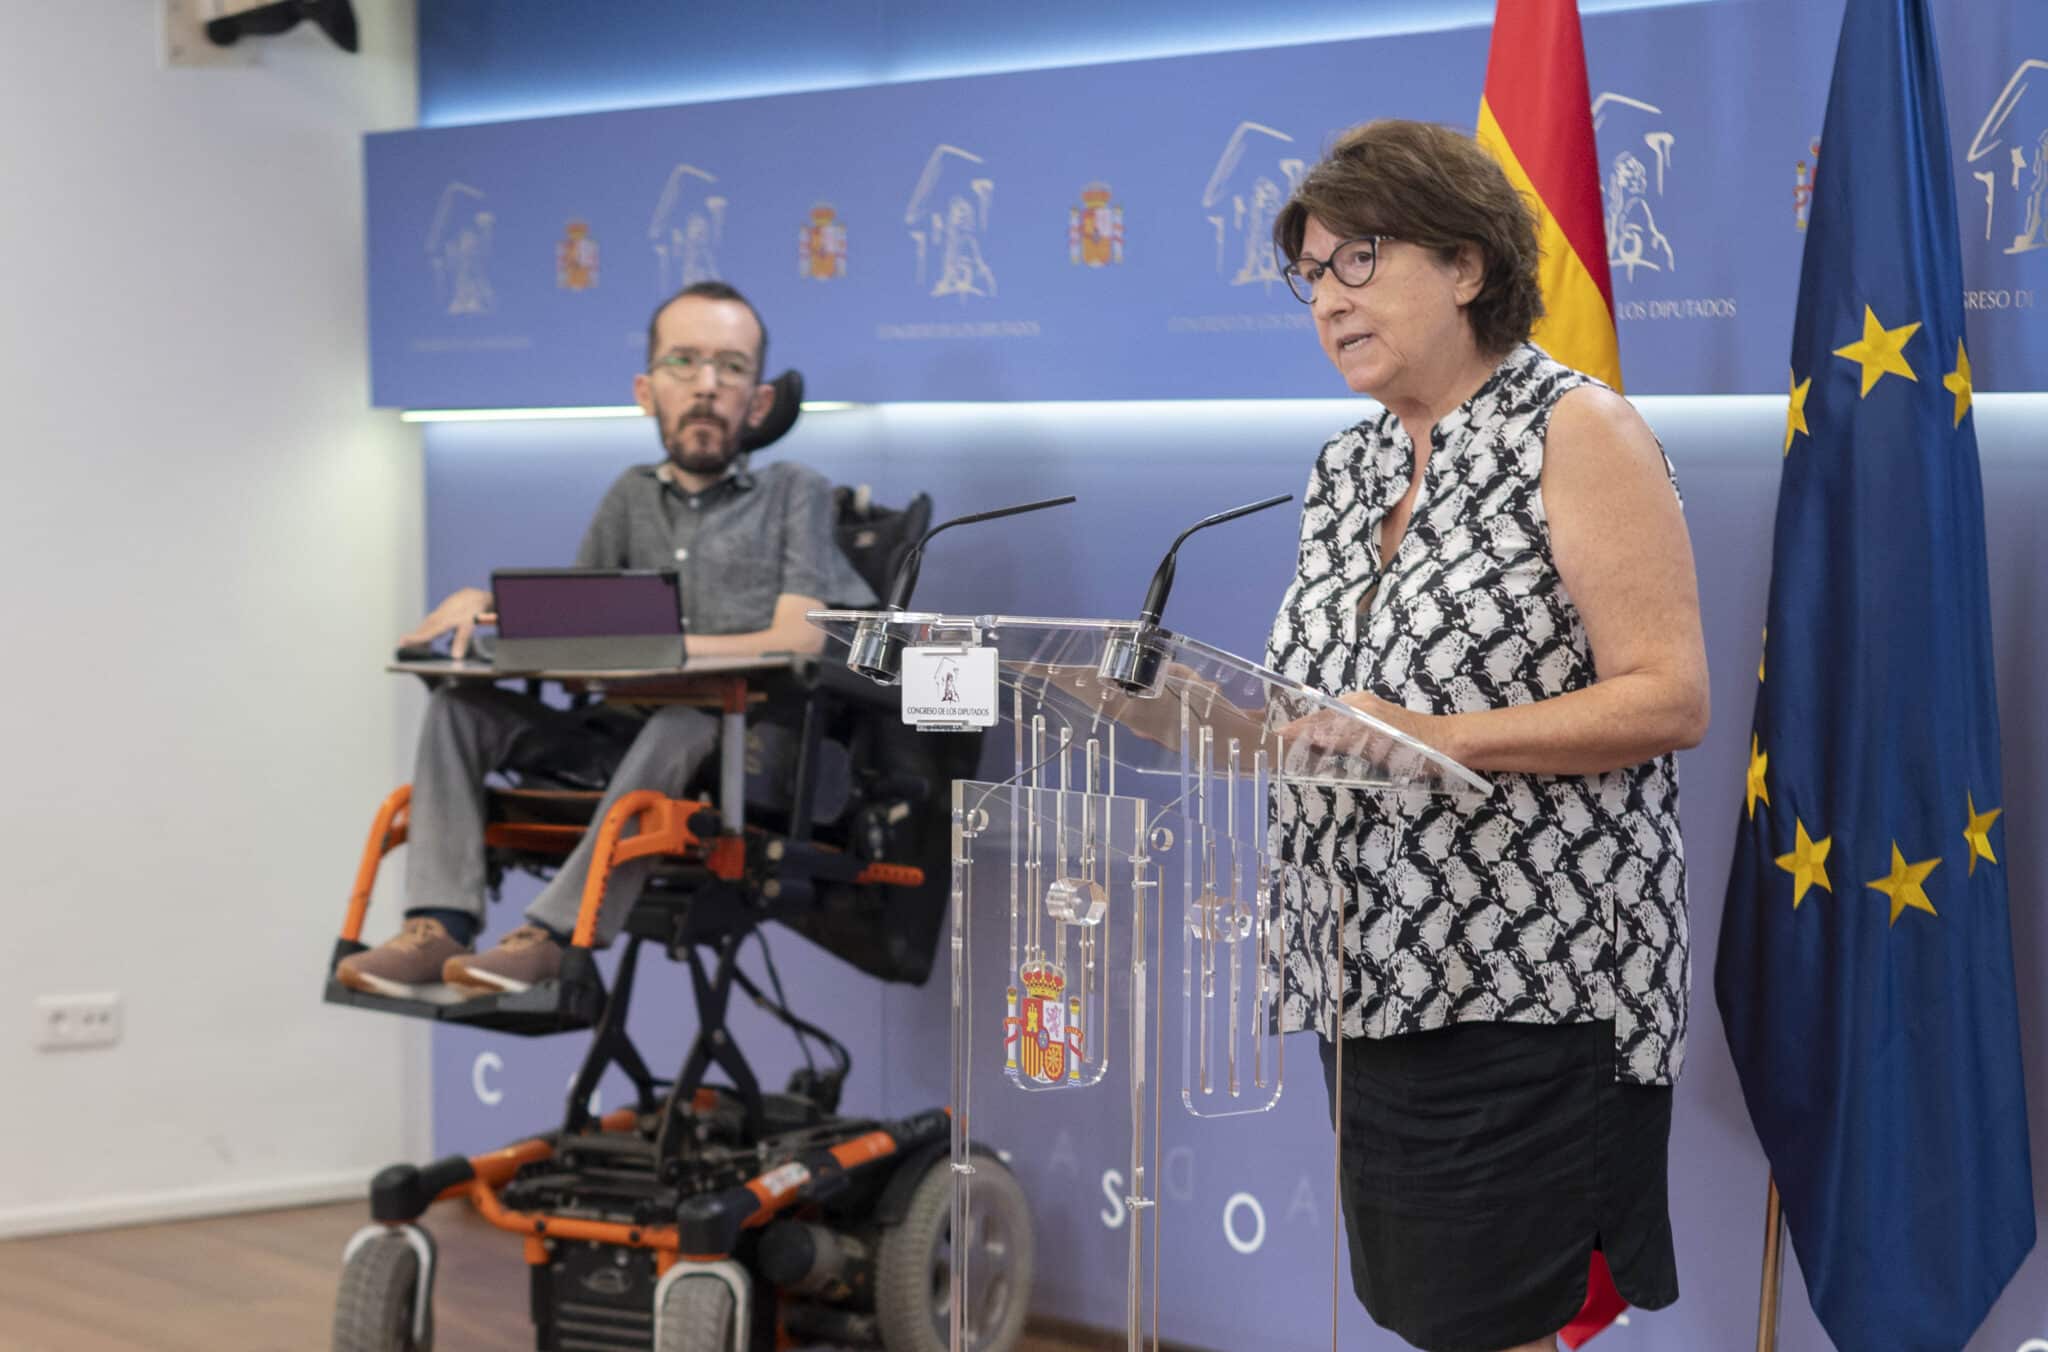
1353 263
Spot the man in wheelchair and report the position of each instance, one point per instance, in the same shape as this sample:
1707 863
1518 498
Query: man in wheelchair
755 550
711 1215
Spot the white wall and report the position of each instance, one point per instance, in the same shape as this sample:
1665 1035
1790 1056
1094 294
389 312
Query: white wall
207 539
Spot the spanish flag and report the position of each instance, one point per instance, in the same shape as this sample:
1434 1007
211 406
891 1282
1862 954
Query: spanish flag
1536 116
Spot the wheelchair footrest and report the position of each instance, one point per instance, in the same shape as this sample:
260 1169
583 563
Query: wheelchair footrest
550 1007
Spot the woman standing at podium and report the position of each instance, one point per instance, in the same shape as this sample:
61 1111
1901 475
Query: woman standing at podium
1494 560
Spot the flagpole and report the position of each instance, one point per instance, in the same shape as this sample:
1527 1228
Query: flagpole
1774 1272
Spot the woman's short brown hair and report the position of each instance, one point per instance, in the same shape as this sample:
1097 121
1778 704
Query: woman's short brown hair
1428 185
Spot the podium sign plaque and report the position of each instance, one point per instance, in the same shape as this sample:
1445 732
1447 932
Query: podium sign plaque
948 687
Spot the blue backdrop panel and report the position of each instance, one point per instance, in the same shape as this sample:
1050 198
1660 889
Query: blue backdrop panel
1706 115
956 200
520 493
1100 232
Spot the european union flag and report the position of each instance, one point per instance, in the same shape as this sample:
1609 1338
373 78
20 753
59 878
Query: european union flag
1865 971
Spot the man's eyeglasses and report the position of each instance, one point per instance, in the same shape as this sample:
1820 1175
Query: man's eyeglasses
687 368
1353 263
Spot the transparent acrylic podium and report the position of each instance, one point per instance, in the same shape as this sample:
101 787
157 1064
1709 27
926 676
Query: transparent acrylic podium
1123 877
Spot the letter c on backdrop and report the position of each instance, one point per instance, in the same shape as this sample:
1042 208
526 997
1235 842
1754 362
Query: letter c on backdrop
485 1094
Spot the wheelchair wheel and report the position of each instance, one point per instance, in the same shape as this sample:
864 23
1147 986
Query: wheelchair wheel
696 1315
374 1312
914 1264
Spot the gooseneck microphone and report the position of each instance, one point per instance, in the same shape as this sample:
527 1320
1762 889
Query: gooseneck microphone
876 652
1162 580
905 580
1134 661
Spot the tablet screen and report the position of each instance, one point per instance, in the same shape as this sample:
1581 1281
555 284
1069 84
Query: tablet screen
586 603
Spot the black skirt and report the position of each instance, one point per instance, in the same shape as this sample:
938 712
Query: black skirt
1483 1164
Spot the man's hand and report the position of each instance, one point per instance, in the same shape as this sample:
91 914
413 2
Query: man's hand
462 612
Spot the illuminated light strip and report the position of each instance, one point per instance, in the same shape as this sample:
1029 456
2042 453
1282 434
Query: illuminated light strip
1650 405
441 415
921 408
453 415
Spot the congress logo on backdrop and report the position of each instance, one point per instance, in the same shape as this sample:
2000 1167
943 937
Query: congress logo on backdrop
821 245
1095 229
576 258
687 229
1633 184
2008 158
947 219
1252 179
459 251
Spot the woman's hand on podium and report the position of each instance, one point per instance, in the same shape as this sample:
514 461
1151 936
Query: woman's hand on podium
1327 730
1429 729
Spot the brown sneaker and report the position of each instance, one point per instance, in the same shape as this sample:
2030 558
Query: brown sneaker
527 955
407 967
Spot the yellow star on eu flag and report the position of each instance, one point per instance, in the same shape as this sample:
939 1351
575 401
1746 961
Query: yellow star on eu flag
1978 832
1795 413
1808 863
1902 884
1755 787
1957 382
1881 351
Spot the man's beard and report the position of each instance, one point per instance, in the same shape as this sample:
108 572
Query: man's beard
701 442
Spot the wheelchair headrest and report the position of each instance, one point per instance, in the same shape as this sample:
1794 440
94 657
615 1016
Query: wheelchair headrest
782 414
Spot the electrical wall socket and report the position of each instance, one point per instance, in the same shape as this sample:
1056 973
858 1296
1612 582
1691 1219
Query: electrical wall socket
72 1022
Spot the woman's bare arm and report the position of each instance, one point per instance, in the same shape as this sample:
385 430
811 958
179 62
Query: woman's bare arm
1622 551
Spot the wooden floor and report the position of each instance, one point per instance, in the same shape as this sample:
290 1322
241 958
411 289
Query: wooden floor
262 1282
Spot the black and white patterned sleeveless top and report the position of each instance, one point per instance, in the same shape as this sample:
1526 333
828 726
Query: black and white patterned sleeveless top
1556 899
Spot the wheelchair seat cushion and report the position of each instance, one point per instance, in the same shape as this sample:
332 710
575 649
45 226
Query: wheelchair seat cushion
543 807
